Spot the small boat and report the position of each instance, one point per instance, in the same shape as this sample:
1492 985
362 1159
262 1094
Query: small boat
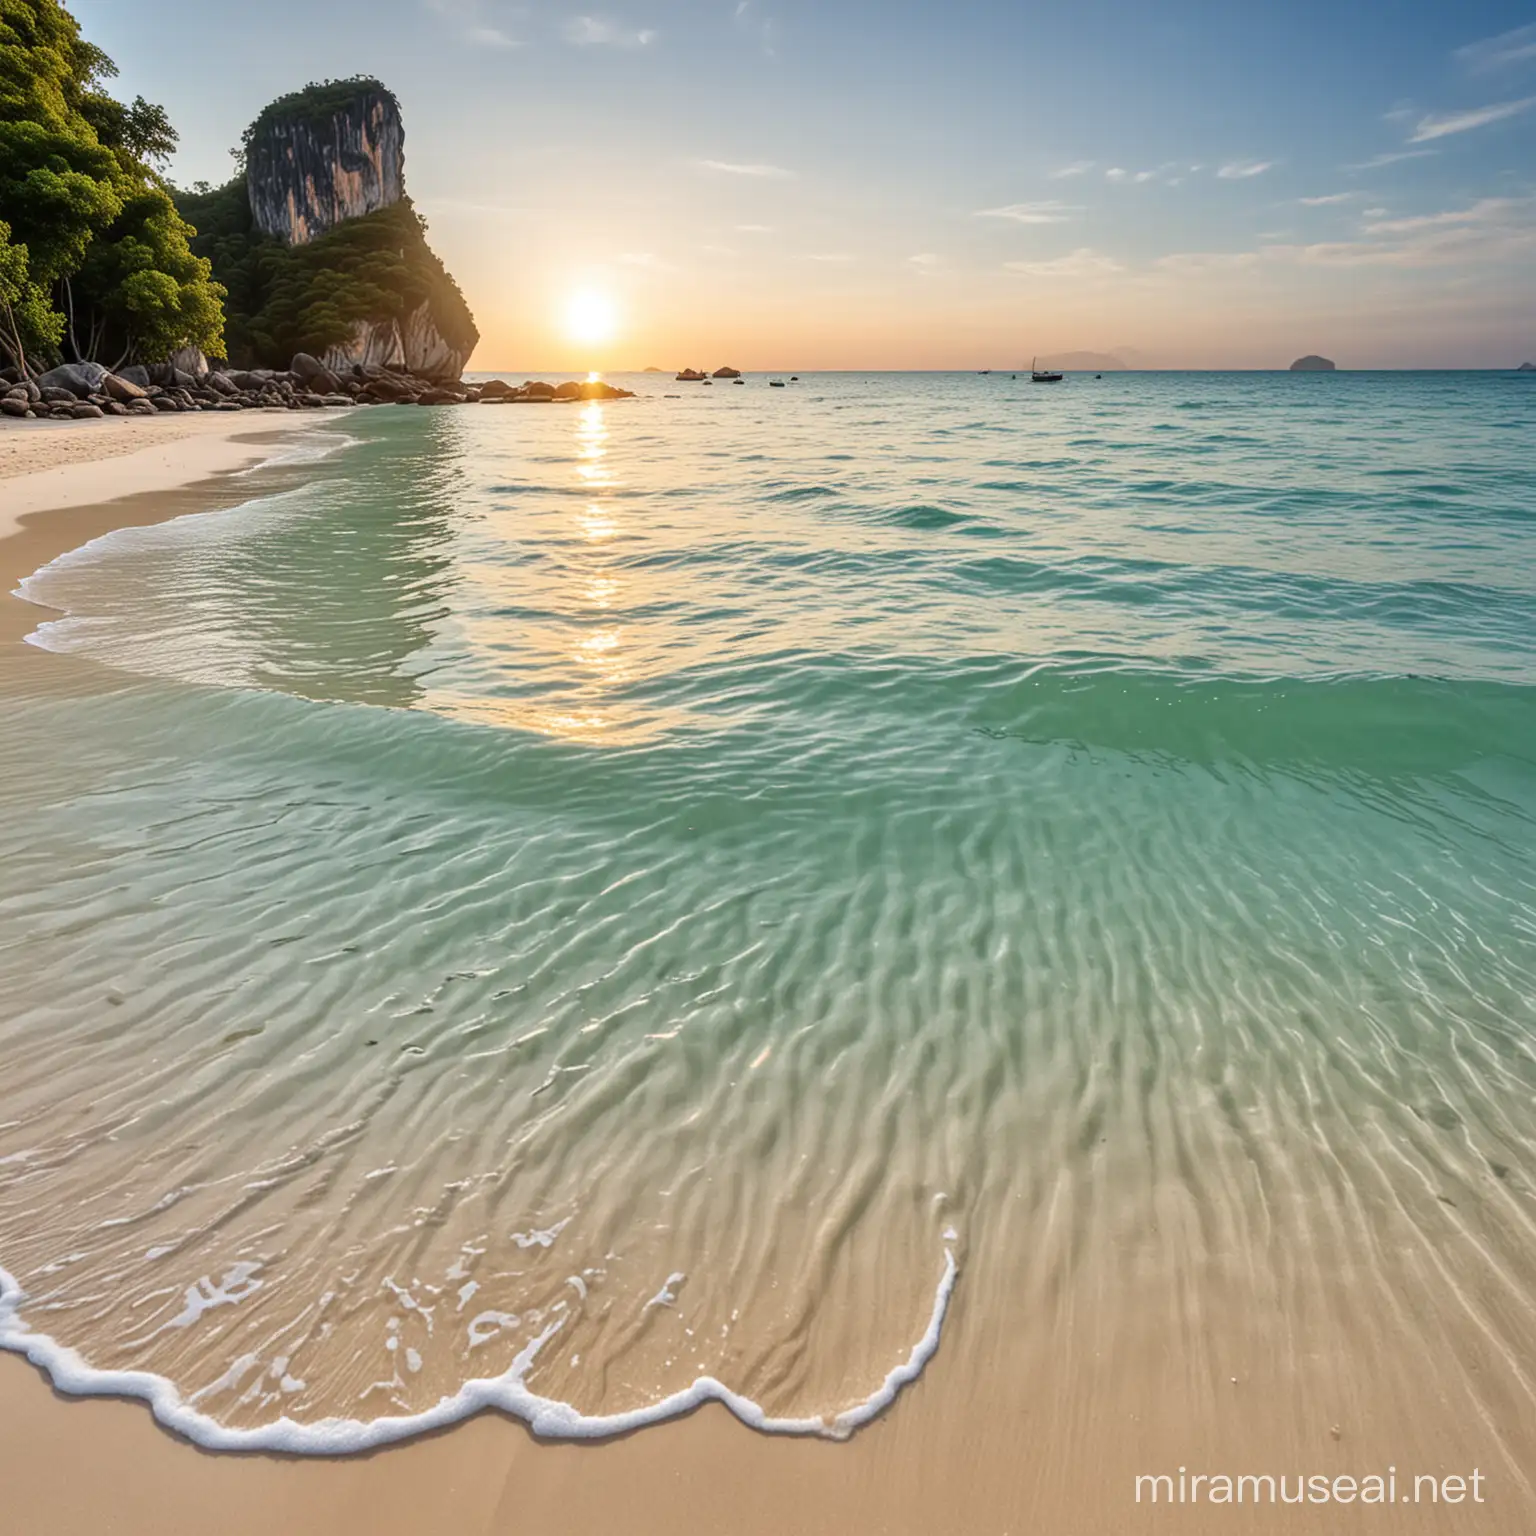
738 381
775 383
1039 375
794 378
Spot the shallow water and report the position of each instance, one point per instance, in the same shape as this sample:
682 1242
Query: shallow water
652 881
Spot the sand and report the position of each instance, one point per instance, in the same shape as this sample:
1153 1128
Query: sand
1012 1429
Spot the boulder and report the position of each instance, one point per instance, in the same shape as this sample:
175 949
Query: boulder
496 389
313 374
114 408
1312 363
80 379
570 390
83 410
142 407
221 383
116 387
135 375
52 395
16 405
337 400
689 376
727 373
189 360
440 397
164 403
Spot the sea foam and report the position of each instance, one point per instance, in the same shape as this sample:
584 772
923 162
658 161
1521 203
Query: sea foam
546 1417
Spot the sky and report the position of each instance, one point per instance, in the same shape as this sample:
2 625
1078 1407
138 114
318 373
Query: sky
804 184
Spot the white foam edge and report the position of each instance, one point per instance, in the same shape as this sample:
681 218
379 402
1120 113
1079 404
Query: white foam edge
546 1417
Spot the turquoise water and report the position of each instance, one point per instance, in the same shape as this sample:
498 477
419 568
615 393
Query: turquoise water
652 880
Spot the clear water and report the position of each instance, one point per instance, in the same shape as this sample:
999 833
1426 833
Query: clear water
652 880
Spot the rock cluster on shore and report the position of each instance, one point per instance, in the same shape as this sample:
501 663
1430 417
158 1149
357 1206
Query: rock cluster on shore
82 390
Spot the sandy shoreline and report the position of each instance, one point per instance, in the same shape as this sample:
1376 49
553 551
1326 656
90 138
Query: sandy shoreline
1012 1429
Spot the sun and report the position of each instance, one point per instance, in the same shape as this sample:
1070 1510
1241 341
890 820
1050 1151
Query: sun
590 316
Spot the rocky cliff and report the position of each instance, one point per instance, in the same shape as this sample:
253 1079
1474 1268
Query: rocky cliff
313 163
320 248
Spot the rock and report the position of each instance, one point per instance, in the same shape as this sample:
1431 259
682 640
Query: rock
440 397
80 379
596 389
16 392
313 374
311 401
338 400
169 377
116 387
164 403
83 410
570 390
727 373
229 405
221 383
305 175
690 376
1526 368
134 374
538 391
144 407
114 408
1312 363
189 360
16 405
496 389
52 395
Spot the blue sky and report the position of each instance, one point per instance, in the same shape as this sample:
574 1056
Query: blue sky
779 183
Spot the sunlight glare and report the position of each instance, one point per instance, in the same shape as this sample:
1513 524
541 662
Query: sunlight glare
590 317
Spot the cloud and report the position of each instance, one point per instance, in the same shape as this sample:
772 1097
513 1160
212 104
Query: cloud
747 17
1241 170
597 32
753 229
733 168
1376 162
1077 168
1115 173
836 256
1438 127
1501 52
1327 199
466 17
1486 210
1031 213
924 261
1079 263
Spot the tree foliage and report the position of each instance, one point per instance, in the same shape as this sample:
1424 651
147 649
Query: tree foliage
96 252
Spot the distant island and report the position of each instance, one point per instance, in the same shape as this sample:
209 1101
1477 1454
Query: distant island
1526 368
1312 363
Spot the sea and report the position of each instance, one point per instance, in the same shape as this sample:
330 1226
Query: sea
783 896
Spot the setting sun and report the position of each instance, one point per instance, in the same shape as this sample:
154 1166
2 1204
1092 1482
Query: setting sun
590 317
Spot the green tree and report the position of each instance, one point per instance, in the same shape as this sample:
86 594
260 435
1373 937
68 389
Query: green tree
28 323
106 253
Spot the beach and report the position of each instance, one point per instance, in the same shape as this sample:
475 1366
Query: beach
1217 1195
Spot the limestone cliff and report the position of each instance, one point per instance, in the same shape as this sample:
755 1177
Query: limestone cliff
320 248
310 164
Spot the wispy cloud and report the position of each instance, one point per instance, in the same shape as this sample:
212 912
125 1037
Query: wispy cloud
1392 157
735 168
1501 52
1031 213
1082 262
1077 168
1486 210
830 256
1116 173
1327 199
1439 126
753 229
1241 170
598 32
467 19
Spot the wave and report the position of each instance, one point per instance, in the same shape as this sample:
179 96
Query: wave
546 1417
